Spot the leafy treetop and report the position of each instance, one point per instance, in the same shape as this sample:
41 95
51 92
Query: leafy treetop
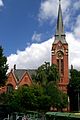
3 67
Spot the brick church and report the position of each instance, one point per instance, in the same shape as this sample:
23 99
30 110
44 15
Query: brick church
59 56
59 52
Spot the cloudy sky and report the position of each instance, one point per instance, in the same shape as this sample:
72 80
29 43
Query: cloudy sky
27 29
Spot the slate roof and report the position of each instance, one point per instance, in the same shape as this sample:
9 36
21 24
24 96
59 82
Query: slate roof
20 72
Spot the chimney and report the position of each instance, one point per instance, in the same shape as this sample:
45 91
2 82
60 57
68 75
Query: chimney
71 67
14 66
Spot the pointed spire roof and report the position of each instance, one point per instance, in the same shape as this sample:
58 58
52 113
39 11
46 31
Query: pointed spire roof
60 35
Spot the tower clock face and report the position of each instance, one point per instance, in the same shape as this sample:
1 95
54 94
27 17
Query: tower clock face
59 54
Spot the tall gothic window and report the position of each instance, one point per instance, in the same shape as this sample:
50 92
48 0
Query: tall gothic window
62 66
58 64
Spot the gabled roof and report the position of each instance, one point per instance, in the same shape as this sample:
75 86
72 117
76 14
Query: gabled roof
32 72
20 72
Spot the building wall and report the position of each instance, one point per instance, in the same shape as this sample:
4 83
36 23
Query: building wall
14 83
11 80
26 80
64 80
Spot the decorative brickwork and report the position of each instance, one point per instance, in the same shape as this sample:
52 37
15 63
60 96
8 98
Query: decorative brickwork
17 78
59 52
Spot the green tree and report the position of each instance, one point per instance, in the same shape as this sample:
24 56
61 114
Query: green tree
75 79
74 89
53 74
48 77
47 73
58 98
3 67
28 98
35 97
40 95
62 101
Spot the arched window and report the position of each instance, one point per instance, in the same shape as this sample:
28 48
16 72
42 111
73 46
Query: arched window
60 62
9 88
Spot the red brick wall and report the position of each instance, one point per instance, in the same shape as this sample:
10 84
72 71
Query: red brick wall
2 89
64 47
26 80
11 80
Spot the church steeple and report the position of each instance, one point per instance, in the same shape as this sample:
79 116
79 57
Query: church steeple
60 35
59 52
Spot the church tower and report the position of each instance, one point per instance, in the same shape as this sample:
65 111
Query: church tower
59 52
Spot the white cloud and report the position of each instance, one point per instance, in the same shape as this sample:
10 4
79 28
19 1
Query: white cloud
36 37
77 5
70 11
31 57
77 27
66 20
48 9
36 54
74 50
1 3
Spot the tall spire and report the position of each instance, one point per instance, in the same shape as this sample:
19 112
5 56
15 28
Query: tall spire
60 35
59 1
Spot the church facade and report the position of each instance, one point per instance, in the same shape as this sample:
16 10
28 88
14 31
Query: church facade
59 52
17 78
59 56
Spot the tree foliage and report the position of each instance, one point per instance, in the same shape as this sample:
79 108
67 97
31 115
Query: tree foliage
47 73
41 95
75 79
3 67
74 83
74 89
35 98
28 98
58 98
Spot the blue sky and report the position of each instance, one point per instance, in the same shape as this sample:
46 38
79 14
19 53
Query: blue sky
27 29
18 22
